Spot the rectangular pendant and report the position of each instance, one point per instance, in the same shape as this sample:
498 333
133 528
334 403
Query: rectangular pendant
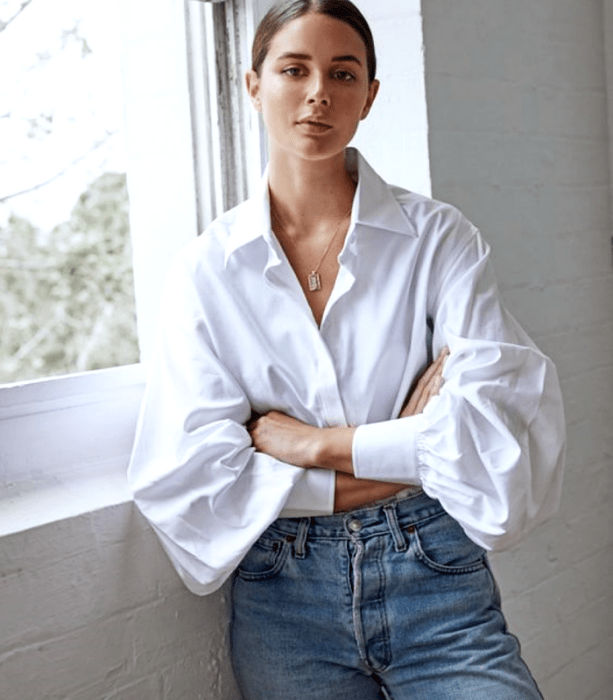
314 282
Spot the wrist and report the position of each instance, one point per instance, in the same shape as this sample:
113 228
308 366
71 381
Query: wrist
333 449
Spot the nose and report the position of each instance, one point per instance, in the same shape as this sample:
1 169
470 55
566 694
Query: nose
318 90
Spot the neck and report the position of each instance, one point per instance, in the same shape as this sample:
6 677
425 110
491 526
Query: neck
295 185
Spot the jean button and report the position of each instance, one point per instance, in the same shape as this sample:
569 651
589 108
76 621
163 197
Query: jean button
355 525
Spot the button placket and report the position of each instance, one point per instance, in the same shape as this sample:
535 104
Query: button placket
328 392
279 273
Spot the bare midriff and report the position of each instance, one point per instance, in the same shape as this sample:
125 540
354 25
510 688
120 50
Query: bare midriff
352 493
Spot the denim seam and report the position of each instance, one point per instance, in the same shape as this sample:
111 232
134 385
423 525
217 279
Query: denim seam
358 630
385 627
477 565
280 559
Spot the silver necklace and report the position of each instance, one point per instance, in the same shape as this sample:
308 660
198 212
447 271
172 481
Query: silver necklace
314 279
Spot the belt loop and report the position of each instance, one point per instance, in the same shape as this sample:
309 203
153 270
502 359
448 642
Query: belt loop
400 543
303 529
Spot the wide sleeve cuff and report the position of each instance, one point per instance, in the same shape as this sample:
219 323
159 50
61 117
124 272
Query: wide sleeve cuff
312 495
387 451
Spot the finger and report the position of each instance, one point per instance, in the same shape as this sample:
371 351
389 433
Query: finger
411 407
434 385
252 423
421 387
423 399
431 390
433 370
418 395
428 385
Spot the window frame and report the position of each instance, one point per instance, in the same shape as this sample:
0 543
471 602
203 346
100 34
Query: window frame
78 428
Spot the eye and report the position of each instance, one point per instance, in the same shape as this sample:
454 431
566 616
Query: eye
344 76
292 71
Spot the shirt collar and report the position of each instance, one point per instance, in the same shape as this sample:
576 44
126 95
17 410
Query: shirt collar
374 206
251 220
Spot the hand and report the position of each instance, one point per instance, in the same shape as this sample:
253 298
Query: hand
428 385
303 445
353 493
285 438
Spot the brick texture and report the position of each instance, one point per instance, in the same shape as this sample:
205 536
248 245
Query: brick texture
517 107
92 609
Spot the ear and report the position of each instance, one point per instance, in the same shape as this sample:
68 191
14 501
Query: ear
373 89
252 82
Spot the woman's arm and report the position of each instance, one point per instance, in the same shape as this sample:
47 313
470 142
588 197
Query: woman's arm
490 448
292 441
295 442
194 473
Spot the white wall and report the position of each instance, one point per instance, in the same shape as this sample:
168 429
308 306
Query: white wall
394 136
90 607
608 30
517 108
92 610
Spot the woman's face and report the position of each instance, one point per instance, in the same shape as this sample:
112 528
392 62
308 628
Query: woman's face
313 87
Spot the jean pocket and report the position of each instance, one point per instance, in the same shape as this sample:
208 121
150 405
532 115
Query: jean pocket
265 558
442 545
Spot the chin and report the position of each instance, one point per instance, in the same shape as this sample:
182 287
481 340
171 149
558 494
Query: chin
317 151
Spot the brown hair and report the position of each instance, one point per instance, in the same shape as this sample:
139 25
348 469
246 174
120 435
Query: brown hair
284 12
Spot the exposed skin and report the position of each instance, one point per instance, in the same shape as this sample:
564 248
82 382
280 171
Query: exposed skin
312 91
295 442
307 160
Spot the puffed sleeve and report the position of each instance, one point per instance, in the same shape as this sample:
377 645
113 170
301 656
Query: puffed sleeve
194 473
490 447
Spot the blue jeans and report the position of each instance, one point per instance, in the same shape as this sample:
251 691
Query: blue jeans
391 601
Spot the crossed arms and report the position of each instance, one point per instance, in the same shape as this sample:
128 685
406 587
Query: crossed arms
303 445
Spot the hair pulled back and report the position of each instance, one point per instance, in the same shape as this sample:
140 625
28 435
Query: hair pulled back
284 12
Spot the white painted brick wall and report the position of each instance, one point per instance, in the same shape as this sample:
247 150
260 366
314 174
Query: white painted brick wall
517 107
92 610
90 607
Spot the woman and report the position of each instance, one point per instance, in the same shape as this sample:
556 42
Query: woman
276 435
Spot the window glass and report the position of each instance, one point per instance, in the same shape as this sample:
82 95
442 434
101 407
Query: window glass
66 287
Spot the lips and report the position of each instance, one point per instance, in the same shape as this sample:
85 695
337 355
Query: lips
314 125
314 122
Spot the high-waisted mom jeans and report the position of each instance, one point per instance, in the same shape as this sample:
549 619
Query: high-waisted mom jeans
392 601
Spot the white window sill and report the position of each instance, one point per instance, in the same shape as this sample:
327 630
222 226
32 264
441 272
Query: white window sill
61 500
65 444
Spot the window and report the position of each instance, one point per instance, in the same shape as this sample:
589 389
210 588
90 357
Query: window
66 290
193 141
65 441
65 255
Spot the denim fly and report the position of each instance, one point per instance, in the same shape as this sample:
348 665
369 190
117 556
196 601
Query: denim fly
388 601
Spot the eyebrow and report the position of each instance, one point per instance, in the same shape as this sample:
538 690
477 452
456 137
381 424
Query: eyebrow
307 57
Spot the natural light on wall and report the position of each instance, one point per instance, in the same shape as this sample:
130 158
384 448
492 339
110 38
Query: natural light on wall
66 286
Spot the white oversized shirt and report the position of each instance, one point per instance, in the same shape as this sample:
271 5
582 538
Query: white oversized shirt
236 334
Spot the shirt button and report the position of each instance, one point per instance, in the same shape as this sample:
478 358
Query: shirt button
355 525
